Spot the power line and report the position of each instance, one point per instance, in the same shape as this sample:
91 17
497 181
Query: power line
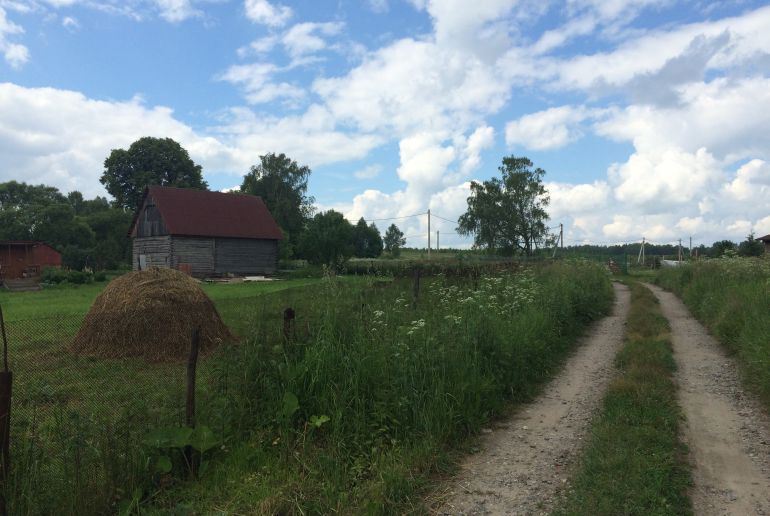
444 218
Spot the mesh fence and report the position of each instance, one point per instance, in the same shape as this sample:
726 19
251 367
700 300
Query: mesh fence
79 422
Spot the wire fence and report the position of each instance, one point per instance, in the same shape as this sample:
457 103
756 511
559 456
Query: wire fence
90 391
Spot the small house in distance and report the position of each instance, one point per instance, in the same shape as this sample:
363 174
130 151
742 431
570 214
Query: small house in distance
765 240
26 259
204 233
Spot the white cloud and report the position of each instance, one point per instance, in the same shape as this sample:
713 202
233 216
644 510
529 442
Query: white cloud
265 13
749 38
256 80
61 138
258 46
15 54
305 38
549 129
657 182
177 10
368 172
414 85
751 182
70 23
577 199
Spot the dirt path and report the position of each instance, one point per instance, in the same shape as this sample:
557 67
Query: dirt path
525 460
727 431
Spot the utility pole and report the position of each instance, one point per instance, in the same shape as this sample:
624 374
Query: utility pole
690 247
640 258
437 240
428 232
561 235
680 250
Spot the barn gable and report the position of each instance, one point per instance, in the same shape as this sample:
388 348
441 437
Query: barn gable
204 233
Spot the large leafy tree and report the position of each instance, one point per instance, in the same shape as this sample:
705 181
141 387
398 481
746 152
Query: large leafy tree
508 214
282 185
327 240
148 161
367 242
394 240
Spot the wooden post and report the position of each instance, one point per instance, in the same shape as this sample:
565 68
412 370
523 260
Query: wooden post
192 364
288 324
6 384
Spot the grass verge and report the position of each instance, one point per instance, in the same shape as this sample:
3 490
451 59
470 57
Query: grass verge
731 297
634 463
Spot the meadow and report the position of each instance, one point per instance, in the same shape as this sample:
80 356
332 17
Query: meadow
731 296
371 393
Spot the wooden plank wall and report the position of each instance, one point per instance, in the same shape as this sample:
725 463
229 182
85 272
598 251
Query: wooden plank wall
156 249
242 256
197 251
149 223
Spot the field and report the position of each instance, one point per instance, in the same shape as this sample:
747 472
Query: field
370 396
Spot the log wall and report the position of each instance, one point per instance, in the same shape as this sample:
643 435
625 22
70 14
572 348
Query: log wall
157 251
242 256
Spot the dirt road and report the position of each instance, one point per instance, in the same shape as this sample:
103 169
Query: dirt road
525 460
727 431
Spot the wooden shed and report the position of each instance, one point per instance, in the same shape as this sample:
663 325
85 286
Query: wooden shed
26 259
765 240
205 234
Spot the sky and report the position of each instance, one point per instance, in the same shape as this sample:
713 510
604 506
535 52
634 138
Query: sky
651 118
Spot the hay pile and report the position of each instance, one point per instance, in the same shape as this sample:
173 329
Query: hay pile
150 314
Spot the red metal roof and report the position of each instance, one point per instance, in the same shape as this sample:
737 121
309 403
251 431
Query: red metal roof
190 212
765 238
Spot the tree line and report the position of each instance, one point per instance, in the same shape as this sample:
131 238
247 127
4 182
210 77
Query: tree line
93 233
505 215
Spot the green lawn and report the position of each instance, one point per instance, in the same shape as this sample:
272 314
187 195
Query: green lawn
77 299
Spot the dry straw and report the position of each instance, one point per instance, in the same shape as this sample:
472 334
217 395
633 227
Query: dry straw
150 314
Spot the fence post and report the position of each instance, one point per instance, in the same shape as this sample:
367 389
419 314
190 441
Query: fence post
288 324
192 363
6 384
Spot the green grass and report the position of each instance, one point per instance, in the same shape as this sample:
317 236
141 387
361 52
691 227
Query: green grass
69 299
402 386
731 296
402 383
634 462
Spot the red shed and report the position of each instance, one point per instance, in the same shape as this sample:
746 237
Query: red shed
26 258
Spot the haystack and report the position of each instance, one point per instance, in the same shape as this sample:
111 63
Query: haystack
150 314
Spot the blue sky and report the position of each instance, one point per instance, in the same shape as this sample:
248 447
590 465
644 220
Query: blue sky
650 117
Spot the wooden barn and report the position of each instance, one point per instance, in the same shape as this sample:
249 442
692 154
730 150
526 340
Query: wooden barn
26 259
203 233
765 240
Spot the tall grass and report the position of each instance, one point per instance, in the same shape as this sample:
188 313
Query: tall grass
732 298
356 414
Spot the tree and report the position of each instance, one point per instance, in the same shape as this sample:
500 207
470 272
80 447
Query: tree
148 161
508 213
367 242
327 240
720 248
282 185
394 240
751 246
